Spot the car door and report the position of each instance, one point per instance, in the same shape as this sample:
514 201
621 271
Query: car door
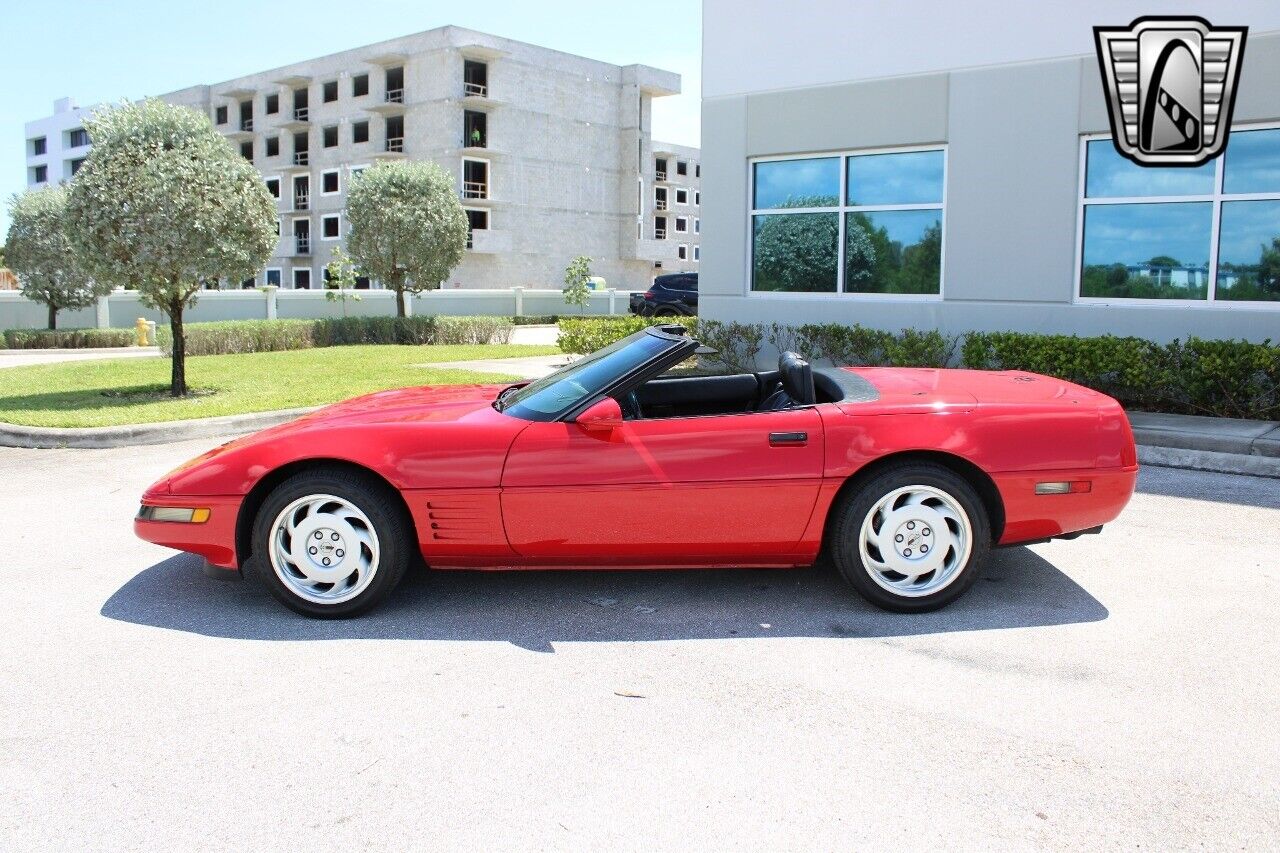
735 488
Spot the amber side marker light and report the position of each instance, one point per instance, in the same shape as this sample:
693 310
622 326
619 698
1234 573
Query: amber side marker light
182 515
1064 487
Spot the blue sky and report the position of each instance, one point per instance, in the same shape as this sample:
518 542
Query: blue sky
102 52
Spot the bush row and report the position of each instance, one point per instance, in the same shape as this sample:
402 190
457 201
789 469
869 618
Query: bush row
230 337
68 338
1225 378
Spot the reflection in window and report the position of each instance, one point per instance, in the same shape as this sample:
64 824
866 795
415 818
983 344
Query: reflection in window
1249 249
1147 251
893 251
1253 162
1108 175
1149 233
795 252
911 177
797 183
890 217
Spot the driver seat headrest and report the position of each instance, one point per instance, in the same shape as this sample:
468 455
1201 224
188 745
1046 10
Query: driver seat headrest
797 379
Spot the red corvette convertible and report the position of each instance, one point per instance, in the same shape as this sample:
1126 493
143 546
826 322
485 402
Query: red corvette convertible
902 478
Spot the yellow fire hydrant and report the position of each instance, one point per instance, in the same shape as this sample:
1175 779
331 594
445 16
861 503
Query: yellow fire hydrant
140 329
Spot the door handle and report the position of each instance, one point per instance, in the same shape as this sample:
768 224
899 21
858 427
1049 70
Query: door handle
788 439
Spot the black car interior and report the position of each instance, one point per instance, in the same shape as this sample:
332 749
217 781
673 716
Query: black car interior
795 383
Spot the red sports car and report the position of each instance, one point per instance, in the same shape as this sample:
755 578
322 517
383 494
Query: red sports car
902 478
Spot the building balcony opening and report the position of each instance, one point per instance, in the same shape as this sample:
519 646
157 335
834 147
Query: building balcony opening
302 192
246 115
301 105
477 220
660 198
660 169
660 228
302 236
301 144
395 133
475 79
475 179
475 129
395 86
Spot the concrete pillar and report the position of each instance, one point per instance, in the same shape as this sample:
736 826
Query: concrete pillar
270 290
613 298
408 304
519 292
103 318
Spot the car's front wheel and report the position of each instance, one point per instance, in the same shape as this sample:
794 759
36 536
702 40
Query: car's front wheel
912 538
331 543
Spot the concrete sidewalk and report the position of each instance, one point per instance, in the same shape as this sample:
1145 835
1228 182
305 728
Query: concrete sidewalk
1228 445
24 357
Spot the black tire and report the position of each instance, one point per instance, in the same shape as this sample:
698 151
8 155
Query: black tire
666 311
386 514
845 530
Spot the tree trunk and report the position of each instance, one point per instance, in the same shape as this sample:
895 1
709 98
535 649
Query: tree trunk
53 316
399 301
178 380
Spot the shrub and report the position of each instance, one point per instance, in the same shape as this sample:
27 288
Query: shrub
473 330
536 320
737 345
239 336
353 331
68 338
587 334
1224 378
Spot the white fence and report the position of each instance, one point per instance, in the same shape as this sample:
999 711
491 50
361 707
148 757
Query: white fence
122 308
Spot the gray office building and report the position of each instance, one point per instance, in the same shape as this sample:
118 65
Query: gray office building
951 166
552 154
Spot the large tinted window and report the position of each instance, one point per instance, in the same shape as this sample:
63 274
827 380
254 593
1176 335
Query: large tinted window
1148 232
887 222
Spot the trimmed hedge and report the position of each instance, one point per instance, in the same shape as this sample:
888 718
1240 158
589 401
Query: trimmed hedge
587 334
1224 378
68 338
243 336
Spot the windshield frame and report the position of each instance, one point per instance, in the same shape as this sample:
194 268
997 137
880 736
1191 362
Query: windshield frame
679 346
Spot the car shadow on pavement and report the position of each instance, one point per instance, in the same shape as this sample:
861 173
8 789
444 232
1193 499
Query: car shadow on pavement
534 609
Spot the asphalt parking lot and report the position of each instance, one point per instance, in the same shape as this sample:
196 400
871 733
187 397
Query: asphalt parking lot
1122 690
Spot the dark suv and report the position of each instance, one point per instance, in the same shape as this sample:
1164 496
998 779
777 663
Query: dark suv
671 295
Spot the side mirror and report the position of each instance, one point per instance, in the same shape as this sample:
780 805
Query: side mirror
602 416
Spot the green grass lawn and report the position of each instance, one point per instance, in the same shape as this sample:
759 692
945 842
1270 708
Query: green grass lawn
112 392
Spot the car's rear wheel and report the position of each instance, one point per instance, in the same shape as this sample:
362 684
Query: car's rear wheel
912 538
331 543
666 311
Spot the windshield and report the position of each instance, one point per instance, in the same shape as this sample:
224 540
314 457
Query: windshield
552 396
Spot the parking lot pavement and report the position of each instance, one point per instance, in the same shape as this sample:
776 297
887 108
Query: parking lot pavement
1117 691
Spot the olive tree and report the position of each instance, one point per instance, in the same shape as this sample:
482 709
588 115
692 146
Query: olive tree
163 203
41 256
408 229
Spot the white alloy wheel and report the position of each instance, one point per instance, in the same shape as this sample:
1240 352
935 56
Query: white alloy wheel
915 541
324 549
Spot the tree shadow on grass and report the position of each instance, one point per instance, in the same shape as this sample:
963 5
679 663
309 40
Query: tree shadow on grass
94 399
535 609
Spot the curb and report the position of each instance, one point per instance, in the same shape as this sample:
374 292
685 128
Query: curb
1208 460
98 438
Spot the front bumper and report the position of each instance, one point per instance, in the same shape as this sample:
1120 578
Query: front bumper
213 539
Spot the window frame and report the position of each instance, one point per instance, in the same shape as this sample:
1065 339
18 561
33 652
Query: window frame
324 136
368 131
842 209
324 91
293 278
337 173
325 218
39 146
354 78
1215 200
266 276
